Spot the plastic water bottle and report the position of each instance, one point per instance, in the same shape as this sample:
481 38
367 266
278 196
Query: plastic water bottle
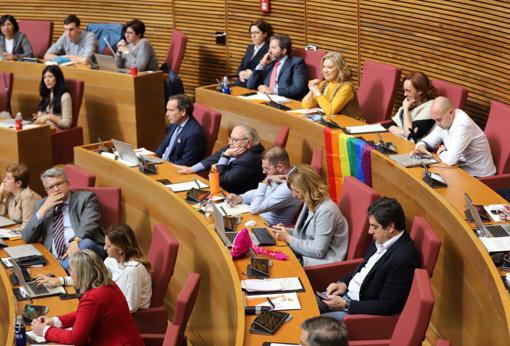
225 85
20 331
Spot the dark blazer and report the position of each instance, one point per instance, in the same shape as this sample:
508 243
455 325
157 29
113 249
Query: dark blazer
249 61
242 174
84 214
386 287
189 147
102 318
21 48
291 81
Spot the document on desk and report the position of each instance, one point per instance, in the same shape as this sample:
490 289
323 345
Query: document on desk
11 234
233 210
305 111
186 186
22 251
498 212
4 222
263 97
283 285
355 130
281 301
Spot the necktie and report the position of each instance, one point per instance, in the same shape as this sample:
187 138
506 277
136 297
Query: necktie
58 231
274 73
168 149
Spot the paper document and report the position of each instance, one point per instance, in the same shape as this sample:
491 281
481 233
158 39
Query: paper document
272 285
4 222
365 129
306 111
22 251
188 185
10 234
498 212
234 210
143 151
263 97
281 301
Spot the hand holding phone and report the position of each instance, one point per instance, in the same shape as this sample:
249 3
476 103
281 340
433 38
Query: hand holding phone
322 295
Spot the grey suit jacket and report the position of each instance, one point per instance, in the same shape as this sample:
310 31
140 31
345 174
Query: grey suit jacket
21 48
323 236
84 214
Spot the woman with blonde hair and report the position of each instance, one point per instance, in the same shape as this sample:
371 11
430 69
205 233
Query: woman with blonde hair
321 234
102 316
336 93
129 268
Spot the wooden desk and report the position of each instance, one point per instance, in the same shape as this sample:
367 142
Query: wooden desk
115 105
218 317
9 307
30 146
472 306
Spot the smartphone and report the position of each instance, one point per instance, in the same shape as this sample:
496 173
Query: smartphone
164 181
66 296
250 94
322 295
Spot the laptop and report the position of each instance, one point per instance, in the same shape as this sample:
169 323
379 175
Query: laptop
107 63
127 154
412 161
31 288
496 238
5 222
219 226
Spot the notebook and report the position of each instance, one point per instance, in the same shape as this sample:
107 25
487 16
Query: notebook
495 238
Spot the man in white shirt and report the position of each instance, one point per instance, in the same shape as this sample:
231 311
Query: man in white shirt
381 284
457 140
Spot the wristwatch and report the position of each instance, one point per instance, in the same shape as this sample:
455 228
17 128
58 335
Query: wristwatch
347 304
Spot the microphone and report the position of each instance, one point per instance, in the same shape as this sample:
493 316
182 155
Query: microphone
109 46
275 104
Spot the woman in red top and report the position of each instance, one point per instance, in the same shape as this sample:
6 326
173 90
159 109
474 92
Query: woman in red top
102 317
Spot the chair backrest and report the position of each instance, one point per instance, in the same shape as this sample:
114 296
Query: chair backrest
176 50
313 61
415 317
426 241
377 90
316 161
183 308
78 177
39 33
109 202
162 255
354 202
496 129
281 137
210 120
456 93
6 82
76 89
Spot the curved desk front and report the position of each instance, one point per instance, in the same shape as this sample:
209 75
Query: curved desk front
472 305
218 317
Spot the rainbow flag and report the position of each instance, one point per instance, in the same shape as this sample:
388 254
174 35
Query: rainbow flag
346 156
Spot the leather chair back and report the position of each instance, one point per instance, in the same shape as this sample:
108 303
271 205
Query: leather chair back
78 177
496 131
6 82
210 120
316 161
281 137
176 50
427 242
39 33
456 93
313 61
109 202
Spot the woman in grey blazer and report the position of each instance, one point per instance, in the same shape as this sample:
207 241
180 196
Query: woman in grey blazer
13 43
136 51
321 234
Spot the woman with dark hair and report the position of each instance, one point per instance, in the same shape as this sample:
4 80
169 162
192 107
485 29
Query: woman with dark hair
321 234
413 119
17 200
13 43
127 264
135 51
102 316
260 32
55 108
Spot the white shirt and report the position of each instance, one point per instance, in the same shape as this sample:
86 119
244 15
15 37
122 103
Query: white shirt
466 145
9 45
357 280
134 280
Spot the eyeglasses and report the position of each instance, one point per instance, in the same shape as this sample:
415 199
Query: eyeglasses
254 32
235 140
58 184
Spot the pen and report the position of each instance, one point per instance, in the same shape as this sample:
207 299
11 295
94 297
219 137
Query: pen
270 303
223 210
196 182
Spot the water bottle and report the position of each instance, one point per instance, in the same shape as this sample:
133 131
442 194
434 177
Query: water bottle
19 121
20 331
225 85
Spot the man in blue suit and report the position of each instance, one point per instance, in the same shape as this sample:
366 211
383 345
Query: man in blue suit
185 142
280 73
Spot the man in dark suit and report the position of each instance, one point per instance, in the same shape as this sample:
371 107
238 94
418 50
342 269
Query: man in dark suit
185 142
280 73
65 221
239 164
381 284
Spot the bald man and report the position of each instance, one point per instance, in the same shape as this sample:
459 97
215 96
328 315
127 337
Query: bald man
457 140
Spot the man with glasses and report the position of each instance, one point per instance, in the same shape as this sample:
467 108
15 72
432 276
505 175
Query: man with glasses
65 221
272 199
239 163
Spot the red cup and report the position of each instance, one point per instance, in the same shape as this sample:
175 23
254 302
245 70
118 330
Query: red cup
19 125
133 70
